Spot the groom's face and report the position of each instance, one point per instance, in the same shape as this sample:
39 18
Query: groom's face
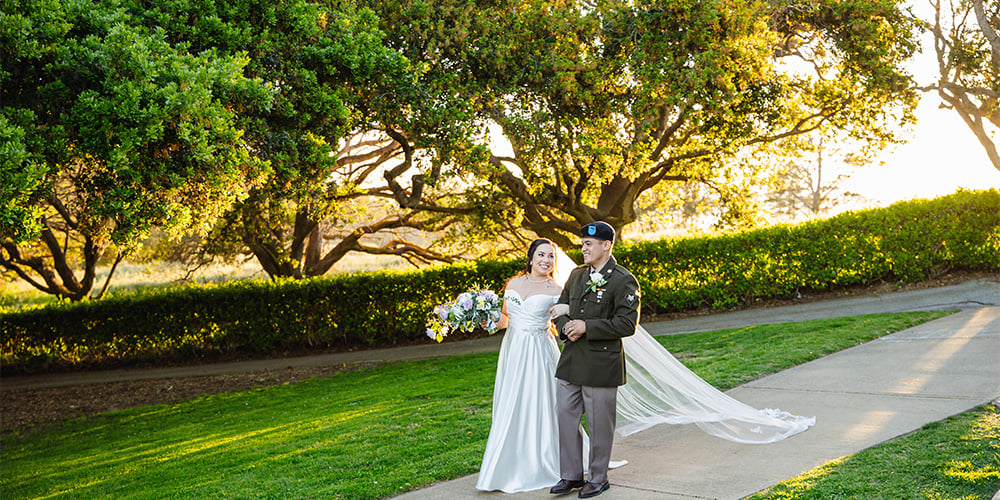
594 251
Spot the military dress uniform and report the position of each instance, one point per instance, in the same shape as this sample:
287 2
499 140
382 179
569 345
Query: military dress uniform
591 369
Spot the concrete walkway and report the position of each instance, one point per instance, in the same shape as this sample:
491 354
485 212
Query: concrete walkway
861 396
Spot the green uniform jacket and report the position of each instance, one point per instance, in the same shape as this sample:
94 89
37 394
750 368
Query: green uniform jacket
611 312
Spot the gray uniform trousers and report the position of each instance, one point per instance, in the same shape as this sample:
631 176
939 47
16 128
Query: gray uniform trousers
599 404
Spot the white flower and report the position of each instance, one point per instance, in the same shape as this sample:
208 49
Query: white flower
596 281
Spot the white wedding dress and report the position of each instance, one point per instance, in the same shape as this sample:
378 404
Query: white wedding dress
522 452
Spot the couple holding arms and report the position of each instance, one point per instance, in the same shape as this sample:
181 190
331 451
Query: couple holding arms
541 395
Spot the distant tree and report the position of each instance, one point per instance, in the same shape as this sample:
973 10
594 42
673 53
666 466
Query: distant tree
967 47
114 130
809 185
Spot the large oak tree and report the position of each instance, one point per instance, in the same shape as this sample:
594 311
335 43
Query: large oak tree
603 101
113 130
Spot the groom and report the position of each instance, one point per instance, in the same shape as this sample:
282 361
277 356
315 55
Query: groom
603 300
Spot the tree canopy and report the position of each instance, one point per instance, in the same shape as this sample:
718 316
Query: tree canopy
603 102
115 130
296 130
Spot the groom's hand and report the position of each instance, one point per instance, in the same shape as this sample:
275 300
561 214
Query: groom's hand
575 329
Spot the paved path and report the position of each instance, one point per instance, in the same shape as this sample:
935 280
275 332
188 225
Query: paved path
860 396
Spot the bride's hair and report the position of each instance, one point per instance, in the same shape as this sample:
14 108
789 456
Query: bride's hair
531 253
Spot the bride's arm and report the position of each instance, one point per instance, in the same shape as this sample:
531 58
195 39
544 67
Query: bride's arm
504 319
558 310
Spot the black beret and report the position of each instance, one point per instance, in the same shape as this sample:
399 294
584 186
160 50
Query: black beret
598 231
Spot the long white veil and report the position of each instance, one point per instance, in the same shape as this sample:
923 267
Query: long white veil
662 390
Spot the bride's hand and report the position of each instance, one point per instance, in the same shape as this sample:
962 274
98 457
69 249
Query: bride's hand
558 310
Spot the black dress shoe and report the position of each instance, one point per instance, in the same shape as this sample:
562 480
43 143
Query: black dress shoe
593 489
566 486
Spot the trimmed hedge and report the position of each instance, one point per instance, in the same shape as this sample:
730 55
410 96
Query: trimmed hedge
344 312
908 241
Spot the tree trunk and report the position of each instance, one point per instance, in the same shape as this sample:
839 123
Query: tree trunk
58 278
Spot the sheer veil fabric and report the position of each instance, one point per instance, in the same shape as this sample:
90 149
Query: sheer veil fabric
660 389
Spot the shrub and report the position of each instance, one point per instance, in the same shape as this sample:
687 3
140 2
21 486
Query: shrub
908 241
251 317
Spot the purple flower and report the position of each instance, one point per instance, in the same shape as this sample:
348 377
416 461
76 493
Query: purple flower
466 303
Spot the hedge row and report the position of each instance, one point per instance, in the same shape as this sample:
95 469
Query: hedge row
343 312
908 241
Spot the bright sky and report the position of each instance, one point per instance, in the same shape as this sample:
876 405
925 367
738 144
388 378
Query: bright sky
942 155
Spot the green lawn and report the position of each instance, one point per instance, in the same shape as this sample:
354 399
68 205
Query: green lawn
364 434
957 458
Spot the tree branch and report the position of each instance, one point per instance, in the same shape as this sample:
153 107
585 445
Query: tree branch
417 180
413 253
111 272
667 132
16 260
973 119
69 281
988 32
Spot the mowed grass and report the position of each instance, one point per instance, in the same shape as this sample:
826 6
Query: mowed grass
729 358
365 434
957 458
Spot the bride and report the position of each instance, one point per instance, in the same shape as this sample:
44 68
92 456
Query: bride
522 451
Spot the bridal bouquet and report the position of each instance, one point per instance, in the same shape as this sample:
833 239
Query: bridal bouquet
469 310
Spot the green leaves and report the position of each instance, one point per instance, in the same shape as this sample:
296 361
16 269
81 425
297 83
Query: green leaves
138 116
21 185
122 129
